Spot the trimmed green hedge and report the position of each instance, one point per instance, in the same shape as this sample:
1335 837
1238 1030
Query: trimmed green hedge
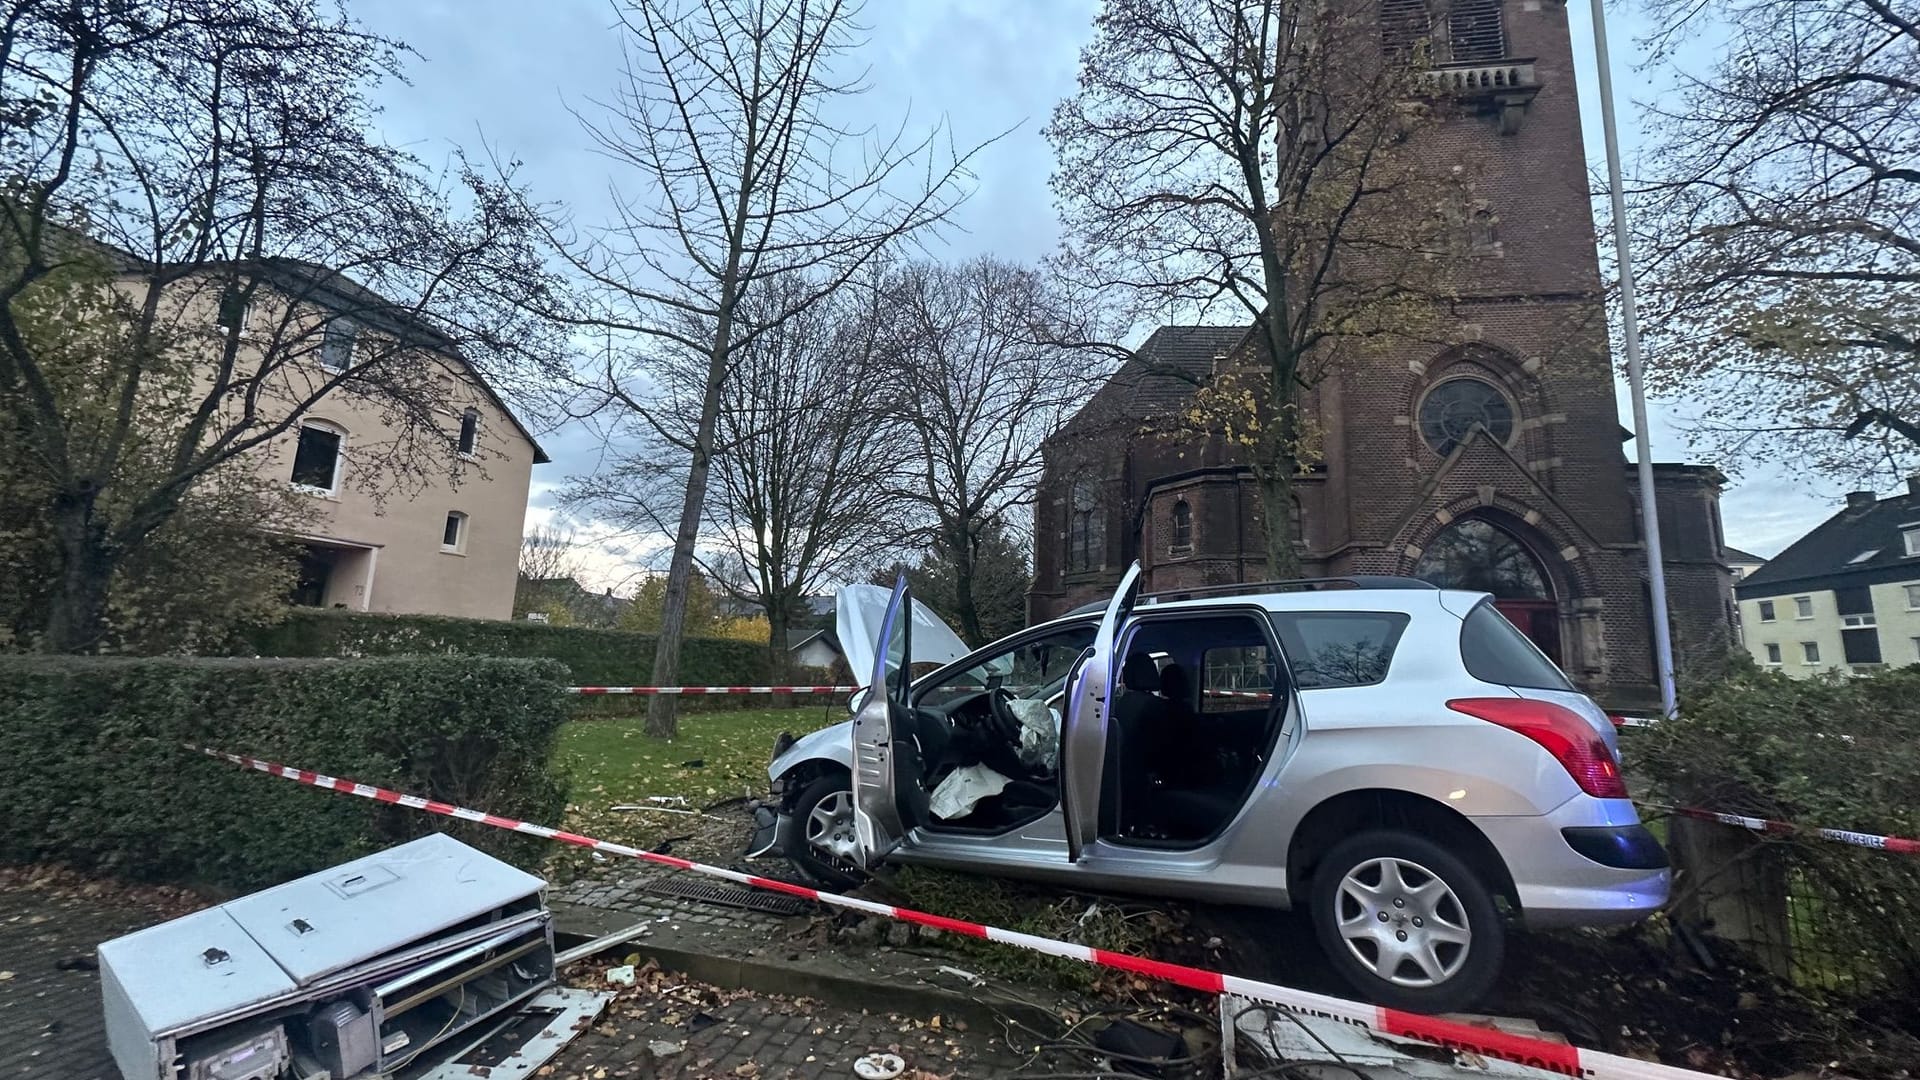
594 657
94 765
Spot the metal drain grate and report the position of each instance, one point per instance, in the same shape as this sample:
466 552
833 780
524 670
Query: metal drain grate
735 896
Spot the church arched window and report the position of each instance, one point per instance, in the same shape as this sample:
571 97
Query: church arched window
1479 556
1182 533
1086 531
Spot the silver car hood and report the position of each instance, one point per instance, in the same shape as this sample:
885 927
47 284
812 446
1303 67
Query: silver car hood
834 744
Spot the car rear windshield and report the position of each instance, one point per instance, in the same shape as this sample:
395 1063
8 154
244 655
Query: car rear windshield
1339 648
1496 652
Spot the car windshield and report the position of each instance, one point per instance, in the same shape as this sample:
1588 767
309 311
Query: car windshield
1035 669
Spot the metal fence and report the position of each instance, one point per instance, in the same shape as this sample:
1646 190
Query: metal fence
1838 921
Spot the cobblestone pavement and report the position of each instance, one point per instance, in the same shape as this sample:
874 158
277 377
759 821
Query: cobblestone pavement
667 1027
49 990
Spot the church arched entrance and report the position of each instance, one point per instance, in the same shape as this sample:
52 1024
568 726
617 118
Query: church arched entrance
1477 555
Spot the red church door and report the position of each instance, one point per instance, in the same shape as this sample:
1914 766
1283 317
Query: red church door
1475 554
1538 619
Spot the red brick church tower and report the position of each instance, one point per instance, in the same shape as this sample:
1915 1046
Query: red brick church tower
1492 463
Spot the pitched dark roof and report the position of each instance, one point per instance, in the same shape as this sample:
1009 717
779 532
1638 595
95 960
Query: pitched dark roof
313 283
1831 555
1160 375
1734 554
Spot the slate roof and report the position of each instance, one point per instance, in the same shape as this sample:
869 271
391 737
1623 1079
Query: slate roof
1826 557
1160 375
1735 555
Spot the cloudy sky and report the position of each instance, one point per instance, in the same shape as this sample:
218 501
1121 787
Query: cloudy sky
505 73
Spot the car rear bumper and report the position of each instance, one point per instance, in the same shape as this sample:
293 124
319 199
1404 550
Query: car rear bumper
1588 863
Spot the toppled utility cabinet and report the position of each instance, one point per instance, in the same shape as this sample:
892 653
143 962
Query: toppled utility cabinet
352 972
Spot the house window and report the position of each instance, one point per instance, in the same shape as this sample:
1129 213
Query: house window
1182 528
1910 537
469 430
1773 652
1766 611
1476 31
336 344
1857 621
1913 597
1405 25
1803 607
316 458
1454 408
235 311
1810 652
1916 649
453 537
1086 533
1483 230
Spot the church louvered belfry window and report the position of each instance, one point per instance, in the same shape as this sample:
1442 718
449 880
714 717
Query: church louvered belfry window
1476 31
1404 25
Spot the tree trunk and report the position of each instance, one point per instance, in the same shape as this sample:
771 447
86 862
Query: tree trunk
779 661
77 613
1276 509
966 608
1275 472
662 709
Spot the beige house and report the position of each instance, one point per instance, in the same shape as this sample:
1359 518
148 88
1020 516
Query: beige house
1844 597
411 494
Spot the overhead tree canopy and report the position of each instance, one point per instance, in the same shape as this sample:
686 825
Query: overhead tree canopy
725 117
1251 161
1777 223
193 213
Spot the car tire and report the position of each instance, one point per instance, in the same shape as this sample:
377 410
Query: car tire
1407 923
827 802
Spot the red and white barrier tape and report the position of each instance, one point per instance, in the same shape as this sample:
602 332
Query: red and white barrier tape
1897 844
656 690
1549 1057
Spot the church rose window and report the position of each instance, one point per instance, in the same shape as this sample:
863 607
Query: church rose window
1479 556
1452 409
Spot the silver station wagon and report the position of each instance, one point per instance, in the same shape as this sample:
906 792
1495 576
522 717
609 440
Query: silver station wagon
1396 759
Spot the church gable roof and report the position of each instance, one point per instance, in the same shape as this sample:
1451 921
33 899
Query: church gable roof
1161 374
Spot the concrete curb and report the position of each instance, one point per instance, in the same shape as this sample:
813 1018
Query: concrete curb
880 993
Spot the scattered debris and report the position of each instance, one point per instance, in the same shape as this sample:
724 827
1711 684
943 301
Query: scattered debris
664 1048
621 976
963 974
879 1066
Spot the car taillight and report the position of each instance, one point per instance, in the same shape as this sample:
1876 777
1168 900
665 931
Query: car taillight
1570 739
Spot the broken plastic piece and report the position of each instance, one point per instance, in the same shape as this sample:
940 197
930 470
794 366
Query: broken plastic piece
961 973
879 1067
621 976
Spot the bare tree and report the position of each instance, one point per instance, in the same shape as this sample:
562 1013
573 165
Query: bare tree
725 116
1779 226
199 241
984 369
797 500
1255 159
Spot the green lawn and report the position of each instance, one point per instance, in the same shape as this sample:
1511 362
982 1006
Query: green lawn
717 756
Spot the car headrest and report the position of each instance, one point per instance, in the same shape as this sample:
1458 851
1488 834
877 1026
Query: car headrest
1140 673
1173 683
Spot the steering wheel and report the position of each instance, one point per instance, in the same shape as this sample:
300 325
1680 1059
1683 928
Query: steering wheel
1000 716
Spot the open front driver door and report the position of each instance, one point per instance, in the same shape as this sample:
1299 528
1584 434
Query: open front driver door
879 765
1083 731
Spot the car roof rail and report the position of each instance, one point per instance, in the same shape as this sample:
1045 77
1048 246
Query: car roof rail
1350 581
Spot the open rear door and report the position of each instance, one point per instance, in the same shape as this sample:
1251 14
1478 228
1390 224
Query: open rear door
1083 731
877 825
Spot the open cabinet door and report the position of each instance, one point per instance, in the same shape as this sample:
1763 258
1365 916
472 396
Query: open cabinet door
877 825
1083 731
